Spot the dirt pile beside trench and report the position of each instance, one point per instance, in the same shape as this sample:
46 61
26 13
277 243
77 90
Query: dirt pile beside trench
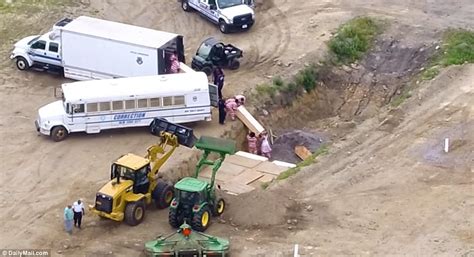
259 208
283 148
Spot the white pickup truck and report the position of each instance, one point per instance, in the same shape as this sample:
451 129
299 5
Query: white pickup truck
228 14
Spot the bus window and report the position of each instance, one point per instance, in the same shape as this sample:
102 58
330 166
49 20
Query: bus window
117 105
167 101
142 103
78 108
92 107
179 100
155 102
129 104
104 106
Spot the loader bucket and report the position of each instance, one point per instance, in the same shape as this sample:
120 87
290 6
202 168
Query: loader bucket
184 134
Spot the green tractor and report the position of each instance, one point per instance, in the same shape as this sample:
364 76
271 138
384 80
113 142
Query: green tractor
195 200
187 242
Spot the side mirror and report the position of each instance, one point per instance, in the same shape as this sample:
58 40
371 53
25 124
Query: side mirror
213 7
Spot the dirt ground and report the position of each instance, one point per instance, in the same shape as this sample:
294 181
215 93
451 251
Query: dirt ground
385 189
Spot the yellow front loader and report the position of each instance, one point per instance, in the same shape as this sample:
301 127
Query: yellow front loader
134 181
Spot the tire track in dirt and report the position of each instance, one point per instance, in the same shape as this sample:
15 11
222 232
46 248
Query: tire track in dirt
277 21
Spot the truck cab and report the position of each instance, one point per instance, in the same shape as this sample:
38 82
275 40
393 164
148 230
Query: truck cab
228 14
40 51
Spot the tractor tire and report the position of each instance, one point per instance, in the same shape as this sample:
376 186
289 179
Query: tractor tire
234 64
22 63
223 27
201 219
207 70
58 133
134 213
219 207
185 6
173 218
163 194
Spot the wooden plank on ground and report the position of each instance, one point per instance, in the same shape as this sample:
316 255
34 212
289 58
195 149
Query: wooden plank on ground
242 161
267 178
231 168
236 188
249 121
270 168
302 152
247 177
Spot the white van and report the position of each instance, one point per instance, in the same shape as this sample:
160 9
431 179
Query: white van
95 105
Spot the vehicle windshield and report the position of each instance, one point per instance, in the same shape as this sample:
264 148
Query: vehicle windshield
204 50
33 40
228 3
124 172
189 197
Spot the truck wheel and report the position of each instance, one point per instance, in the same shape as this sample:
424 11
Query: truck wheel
219 207
185 6
163 194
201 219
234 64
173 218
134 213
207 70
22 63
223 27
58 133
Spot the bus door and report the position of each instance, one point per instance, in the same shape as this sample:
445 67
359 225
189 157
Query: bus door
76 117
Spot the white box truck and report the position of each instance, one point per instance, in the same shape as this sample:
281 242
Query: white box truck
90 48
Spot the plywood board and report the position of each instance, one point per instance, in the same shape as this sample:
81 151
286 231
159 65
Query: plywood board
270 168
249 121
236 188
242 161
247 177
302 152
220 175
230 168
267 178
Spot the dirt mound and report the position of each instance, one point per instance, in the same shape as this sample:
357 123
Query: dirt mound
284 145
260 208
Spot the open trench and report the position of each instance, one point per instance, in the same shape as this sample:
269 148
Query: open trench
344 97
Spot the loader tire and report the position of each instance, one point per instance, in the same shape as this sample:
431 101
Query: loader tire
201 219
163 194
173 218
134 213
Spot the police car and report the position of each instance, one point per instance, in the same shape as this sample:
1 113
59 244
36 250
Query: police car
228 14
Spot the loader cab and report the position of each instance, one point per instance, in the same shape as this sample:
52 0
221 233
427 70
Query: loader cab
134 168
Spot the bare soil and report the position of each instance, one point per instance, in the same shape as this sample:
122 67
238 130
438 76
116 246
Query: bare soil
386 188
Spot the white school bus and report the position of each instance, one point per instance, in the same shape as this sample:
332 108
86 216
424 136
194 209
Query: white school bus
96 105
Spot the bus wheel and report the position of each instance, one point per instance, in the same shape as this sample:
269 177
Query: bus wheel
58 133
